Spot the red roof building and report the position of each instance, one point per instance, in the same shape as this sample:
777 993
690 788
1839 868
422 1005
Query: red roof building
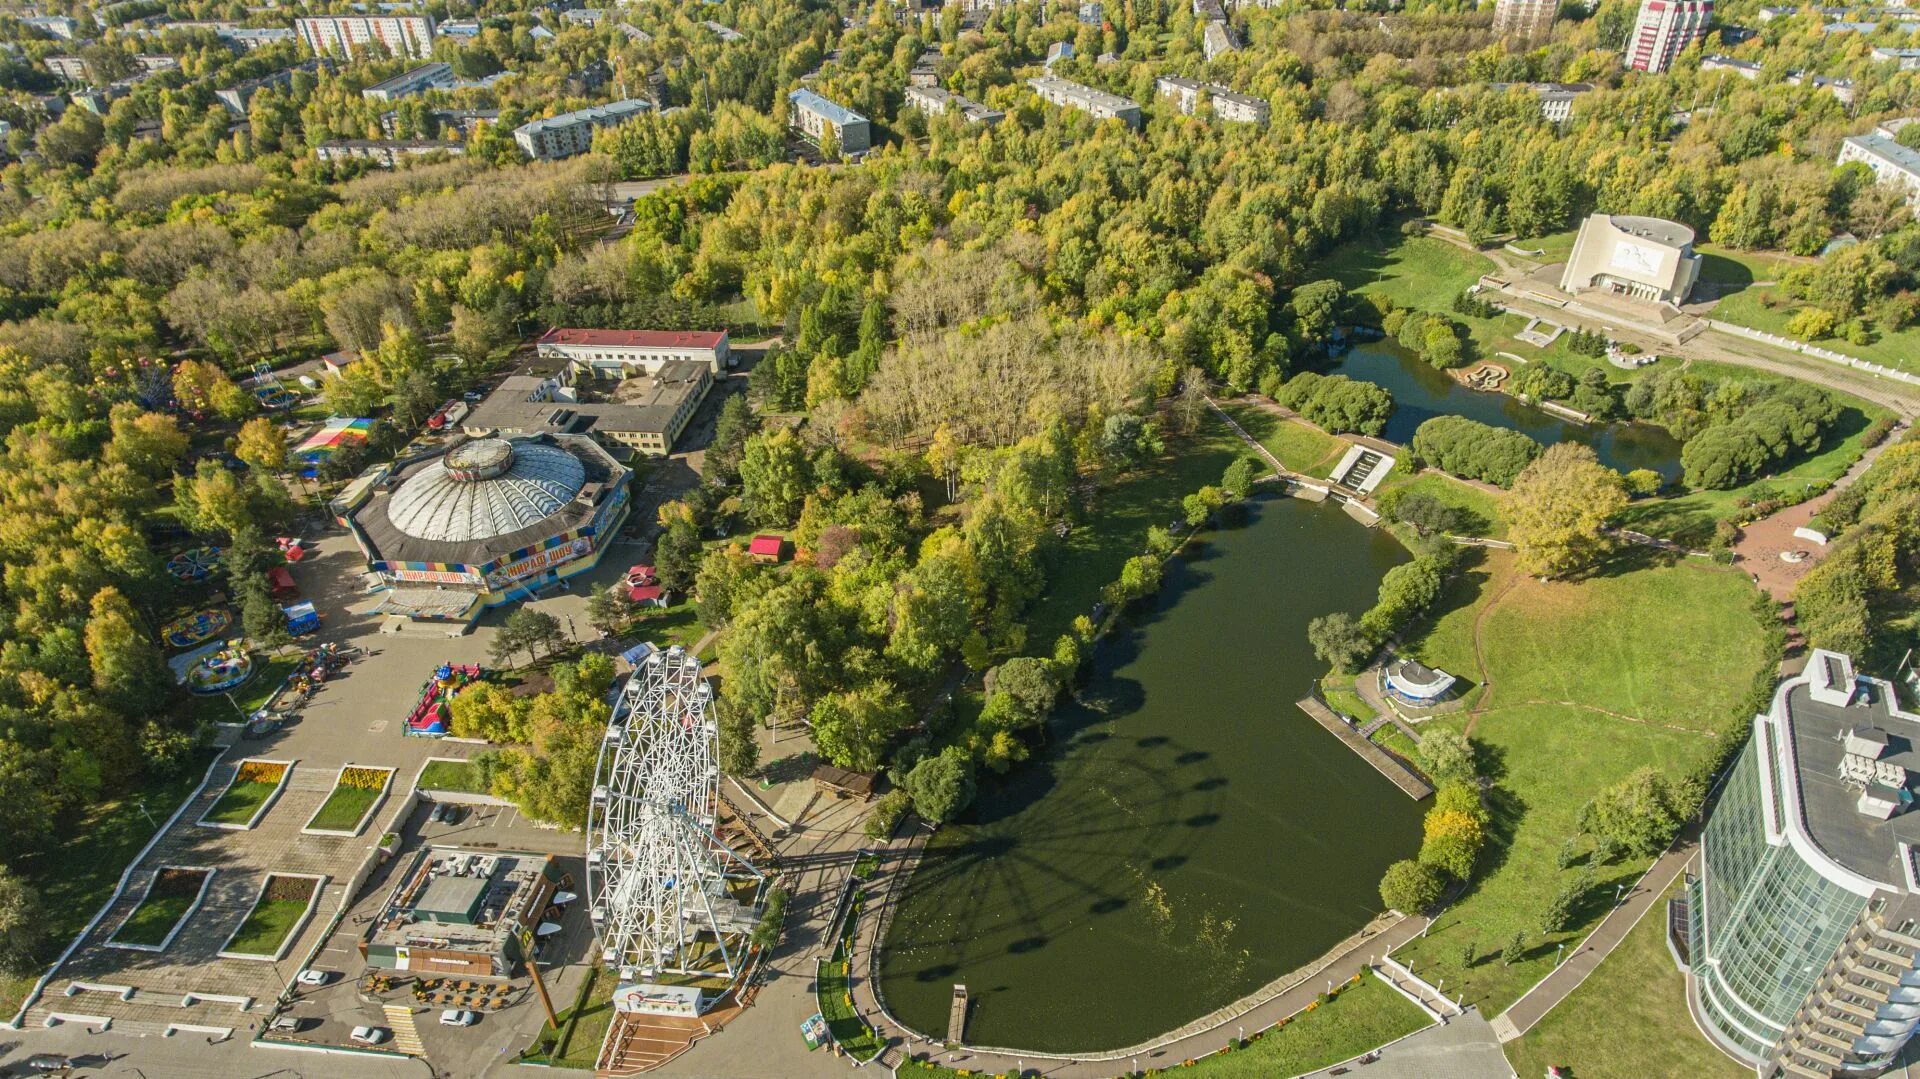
766 548
646 593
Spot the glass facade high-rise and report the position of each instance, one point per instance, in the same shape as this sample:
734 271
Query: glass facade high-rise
1802 898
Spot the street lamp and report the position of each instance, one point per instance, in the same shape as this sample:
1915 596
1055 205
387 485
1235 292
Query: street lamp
1619 892
1558 952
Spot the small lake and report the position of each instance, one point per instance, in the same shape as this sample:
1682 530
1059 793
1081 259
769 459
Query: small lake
1188 834
1421 392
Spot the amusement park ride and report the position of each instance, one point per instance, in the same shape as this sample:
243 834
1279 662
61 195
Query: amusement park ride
672 903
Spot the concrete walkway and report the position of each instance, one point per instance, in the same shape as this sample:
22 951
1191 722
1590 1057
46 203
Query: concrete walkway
1554 988
1461 1048
1763 541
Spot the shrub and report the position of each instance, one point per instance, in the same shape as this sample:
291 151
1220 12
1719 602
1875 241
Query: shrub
1644 482
1475 450
371 779
886 814
1877 432
1411 887
1337 403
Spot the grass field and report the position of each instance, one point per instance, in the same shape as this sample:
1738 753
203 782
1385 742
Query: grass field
266 929
153 920
1366 1014
1301 447
241 802
1420 272
1483 508
1577 685
236 705
1627 1021
1899 350
582 1048
676 625
343 809
1115 528
452 776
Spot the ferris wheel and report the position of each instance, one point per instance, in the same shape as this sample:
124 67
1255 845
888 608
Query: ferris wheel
667 895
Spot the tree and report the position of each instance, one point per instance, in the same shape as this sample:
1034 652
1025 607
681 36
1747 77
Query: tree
676 557
490 711
261 445
526 629
730 433
739 749
1199 506
1238 478
147 442
1644 482
214 500
885 815
853 728
942 786
943 456
1452 842
260 614
1021 693
127 668
776 476
22 926
1514 950
1559 911
473 333
1559 511
1339 641
1641 812
610 609
1411 887
1475 450
1447 756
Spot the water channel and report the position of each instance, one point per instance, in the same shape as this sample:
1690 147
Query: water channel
1421 392
1187 835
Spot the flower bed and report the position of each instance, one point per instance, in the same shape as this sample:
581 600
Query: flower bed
172 896
285 903
355 795
251 792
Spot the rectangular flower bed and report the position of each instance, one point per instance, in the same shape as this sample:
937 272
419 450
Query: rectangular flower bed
285 903
251 792
356 794
173 894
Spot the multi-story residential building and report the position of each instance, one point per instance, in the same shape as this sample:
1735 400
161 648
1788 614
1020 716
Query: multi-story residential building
57 25
1665 29
1802 916
235 97
635 34
1746 69
1556 98
1217 41
1097 103
816 117
70 68
1092 13
250 38
725 33
571 133
414 81
1841 89
925 71
1528 20
1905 59
1891 162
352 35
383 152
151 64
465 121
619 354
583 16
934 101
1227 105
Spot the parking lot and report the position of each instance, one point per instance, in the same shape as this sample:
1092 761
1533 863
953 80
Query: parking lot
328 1014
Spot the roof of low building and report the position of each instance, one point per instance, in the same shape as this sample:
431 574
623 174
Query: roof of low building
834 111
634 338
1888 150
613 110
766 545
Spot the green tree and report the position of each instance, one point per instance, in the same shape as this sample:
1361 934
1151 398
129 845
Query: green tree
1238 478
1559 511
1411 887
776 476
1448 756
23 926
260 614
885 815
1199 506
1339 640
148 442
1021 693
1514 950
1641 813
609 609
490 710
526 630
677 555
127 668
262 445
942 786
853 728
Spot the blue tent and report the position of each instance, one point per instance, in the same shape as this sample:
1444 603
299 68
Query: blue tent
638 652
301 618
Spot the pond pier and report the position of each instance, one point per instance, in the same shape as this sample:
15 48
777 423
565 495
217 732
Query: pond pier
1412 785
957 1016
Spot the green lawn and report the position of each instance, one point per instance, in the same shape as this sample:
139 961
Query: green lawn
1420 272
241 802
1301 447
1483 507
153 920
1115 528
1749 307
676 625
848 1029
1628 1020
1366 1014
1582 684
1556 246
452 776
343 809
268 926
267 676
596 1015
77 877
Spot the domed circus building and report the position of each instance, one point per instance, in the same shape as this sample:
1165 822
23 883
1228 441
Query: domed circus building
485 522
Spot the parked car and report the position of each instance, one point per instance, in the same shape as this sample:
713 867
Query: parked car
313 977
439 813
288 1024
453 1017
368 1035
456 814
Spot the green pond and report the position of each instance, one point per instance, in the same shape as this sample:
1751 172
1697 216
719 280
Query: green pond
1187 835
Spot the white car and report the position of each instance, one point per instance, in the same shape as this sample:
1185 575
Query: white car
453 1017
368 1035
314 977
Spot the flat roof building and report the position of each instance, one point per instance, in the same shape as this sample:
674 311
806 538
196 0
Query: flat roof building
1097 103
1227 105
1891 162
1556 98
1802 912
410 82
628 412
571 133
352 35
385 153
937 102
624 353
816 118
1904 59
1217 41
1528 20
1642 257
460 912
1664 29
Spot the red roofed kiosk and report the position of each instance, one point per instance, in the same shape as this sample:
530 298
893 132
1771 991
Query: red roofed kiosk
620 354
766 549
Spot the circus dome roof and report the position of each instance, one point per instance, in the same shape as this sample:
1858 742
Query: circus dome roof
485 488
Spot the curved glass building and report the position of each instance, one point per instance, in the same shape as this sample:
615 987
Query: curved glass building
1804 917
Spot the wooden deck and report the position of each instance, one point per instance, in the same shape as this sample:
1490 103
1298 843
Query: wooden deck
957 1016
1412 785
